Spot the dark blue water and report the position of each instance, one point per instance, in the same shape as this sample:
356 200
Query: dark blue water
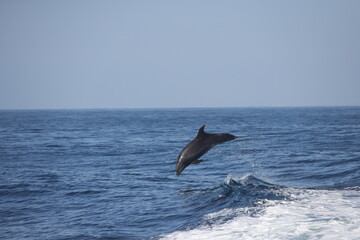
110 174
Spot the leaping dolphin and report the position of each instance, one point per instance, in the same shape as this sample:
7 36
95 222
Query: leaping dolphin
200 145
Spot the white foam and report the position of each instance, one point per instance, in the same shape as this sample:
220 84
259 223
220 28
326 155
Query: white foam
314 214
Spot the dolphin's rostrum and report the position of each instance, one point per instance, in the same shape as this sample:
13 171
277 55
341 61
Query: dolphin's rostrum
200 145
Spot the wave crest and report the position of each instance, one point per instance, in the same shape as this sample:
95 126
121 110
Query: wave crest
247 193
268 211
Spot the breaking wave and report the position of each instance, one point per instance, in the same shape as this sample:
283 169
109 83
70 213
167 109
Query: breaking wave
250 208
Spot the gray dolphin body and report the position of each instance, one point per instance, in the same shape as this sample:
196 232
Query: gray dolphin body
200 145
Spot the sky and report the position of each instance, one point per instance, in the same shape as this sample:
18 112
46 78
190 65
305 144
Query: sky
73 54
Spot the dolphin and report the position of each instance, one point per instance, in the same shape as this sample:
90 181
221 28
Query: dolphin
200 145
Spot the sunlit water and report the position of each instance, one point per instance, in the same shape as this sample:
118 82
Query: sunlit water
110 174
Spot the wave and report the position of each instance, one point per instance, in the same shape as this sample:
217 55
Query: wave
84 192
248 193
20 190
261 210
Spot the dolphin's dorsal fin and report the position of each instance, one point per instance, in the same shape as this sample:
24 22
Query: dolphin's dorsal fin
201 131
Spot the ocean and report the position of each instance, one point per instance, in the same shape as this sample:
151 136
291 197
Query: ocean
110 174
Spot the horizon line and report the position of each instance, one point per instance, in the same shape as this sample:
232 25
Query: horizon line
149 108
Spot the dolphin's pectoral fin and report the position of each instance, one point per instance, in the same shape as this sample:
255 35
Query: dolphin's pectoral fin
196 161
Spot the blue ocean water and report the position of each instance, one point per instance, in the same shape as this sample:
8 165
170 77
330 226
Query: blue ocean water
110 174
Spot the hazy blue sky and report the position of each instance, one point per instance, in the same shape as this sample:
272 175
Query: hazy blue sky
123 54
